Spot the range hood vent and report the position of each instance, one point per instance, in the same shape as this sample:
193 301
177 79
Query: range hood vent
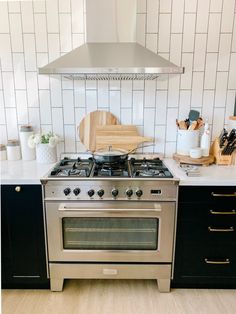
111 51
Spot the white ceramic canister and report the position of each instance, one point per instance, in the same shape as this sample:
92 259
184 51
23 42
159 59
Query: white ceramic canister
45 153
13 150
28 153
187 139
195 152
3 152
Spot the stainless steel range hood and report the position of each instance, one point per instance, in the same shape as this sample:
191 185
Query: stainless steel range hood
111 51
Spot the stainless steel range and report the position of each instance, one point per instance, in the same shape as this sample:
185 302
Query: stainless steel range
110 220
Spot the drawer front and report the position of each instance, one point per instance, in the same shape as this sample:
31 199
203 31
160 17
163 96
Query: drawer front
195 260
207 213
209 194
214 233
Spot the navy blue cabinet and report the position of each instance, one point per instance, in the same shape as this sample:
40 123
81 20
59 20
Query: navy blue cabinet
23 242
205 254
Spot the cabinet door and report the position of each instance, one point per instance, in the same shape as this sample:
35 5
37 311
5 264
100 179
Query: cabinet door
23 243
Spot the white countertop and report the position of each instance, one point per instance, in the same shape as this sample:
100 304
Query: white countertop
23 172
210 175
30 172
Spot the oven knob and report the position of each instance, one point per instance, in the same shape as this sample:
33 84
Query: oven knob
129 192
67 191
139 193
100 193
91 193
76 191
114 192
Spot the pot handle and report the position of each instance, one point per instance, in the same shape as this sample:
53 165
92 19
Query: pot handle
142 146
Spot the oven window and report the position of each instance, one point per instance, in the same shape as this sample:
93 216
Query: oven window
110 233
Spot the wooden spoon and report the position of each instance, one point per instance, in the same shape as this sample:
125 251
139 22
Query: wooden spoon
193 126
182 125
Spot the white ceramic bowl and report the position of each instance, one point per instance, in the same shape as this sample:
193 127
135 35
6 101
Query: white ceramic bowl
195 152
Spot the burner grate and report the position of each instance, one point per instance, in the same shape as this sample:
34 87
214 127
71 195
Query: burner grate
111 170
152 168
149 168
73 168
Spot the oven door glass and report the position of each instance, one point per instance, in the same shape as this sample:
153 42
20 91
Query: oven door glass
110 233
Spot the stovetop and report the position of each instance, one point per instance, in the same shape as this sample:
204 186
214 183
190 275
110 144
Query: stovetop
132 168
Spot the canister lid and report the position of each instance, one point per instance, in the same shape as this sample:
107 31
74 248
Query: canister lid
26 128
2 147
13 143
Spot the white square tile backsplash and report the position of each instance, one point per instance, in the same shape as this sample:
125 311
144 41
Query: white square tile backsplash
197 34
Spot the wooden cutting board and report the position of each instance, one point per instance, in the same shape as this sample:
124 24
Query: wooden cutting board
119 136
117 130
203 161
87 127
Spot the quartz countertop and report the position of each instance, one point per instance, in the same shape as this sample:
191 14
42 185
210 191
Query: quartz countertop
30 172
23 172
210 175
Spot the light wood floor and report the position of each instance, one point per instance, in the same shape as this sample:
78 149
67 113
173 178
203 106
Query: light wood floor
118 297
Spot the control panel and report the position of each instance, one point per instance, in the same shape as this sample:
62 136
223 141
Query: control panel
110 190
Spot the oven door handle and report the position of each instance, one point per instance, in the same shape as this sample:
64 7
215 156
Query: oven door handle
64 208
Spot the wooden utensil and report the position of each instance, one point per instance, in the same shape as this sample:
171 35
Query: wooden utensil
200 123
182 125
193 126
87 127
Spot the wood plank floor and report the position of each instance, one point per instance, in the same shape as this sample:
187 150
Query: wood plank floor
118 297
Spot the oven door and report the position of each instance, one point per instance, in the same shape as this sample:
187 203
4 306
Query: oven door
110 231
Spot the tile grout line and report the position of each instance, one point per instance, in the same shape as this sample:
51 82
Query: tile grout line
13 76
214 98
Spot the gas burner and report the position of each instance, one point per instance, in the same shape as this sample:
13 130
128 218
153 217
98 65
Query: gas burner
73 168
154 168
111 170
73 172
151 173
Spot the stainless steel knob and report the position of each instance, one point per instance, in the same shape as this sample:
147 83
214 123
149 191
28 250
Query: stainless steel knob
129 192
67 191
17 188
76 191
139 193
114 192
100 193
91 193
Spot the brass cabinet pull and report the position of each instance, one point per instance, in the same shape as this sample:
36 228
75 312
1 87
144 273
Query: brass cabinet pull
17 188
230 229
226 261
213 212
223 195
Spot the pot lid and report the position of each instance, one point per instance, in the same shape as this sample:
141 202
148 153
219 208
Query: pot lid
110 152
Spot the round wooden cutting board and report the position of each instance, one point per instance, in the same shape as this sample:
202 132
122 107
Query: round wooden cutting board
87 127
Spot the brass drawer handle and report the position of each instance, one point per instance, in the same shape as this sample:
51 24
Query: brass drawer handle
230 229
223 195
226 261
213 212
17 188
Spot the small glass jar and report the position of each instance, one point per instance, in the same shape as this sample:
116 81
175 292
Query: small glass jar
3 152
13 150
